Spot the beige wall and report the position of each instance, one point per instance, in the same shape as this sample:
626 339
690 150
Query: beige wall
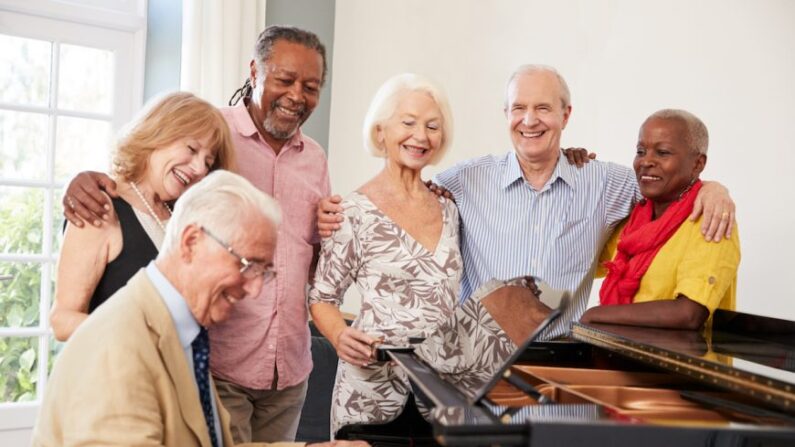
730 62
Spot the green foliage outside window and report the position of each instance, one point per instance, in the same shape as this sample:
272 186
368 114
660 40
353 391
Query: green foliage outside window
19 369
20 232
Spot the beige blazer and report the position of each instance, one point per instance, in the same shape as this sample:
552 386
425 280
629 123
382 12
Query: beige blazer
123 379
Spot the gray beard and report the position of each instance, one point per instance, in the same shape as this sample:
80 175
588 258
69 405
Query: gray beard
278 134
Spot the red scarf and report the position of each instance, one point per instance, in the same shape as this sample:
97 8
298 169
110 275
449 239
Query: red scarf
639 243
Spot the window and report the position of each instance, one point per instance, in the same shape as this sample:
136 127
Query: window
65 89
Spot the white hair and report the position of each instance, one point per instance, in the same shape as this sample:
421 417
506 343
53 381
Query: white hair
697 135
221 201
386 100
565 95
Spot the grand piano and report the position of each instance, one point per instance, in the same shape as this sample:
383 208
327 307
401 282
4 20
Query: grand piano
732 384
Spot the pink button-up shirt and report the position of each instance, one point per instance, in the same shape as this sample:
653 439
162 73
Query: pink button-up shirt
271 329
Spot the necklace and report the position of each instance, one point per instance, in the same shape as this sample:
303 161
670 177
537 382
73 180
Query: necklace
149 207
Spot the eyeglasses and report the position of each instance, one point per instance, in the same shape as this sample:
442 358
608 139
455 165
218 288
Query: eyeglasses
249 269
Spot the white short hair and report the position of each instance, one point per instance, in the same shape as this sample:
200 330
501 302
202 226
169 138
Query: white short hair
565 94
386 100
697 134
222 201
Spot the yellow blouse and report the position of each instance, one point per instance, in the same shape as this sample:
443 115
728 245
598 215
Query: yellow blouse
705 272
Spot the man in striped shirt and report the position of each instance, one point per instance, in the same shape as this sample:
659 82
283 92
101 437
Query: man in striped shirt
530 212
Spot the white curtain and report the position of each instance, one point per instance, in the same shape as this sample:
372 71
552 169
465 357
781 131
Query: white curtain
218 39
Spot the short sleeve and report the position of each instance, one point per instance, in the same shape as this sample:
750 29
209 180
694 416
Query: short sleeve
708 269
449 179
325 191
339 261
621 192
609 251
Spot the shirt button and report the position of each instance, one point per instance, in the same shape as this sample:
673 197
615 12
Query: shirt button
711 280
270 346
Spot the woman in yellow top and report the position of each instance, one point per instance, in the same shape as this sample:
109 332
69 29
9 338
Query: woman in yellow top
661 272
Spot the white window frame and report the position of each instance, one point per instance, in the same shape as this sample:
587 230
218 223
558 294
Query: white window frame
105 24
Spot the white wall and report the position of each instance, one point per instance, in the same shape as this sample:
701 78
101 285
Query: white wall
729 61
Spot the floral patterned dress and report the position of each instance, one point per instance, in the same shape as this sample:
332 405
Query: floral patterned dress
470 346
407 291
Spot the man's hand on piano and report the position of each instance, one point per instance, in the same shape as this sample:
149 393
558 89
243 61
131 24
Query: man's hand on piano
340 444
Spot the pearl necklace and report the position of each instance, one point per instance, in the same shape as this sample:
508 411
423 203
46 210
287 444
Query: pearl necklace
149 207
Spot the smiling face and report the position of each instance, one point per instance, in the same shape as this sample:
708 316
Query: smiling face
665 163
218 284
536 115
412 135
176 167
287 92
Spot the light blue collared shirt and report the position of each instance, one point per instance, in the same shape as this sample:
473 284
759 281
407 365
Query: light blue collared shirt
509 229
187 328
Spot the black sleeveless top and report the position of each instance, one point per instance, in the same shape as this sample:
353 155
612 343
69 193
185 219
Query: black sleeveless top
136 252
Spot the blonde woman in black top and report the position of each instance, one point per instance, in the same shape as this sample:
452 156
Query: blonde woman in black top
170 147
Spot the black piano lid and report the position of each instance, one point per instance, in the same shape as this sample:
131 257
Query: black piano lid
766 341
444 393
748 354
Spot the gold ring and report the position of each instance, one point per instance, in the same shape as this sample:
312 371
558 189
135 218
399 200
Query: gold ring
71 203
725 215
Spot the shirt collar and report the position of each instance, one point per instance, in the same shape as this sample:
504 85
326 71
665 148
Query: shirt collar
184 321
512 172
245 126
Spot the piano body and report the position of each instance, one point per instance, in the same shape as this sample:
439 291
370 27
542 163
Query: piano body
732 384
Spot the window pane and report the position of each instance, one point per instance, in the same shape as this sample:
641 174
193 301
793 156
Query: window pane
19 294
21 219
19 368
25 76
57 220
81 144
55 349
85 81
23 145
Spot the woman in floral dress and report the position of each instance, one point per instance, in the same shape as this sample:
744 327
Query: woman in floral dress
399 245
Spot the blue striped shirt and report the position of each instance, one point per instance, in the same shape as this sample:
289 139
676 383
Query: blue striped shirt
508 229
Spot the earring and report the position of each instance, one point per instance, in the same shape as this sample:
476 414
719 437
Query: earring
242 92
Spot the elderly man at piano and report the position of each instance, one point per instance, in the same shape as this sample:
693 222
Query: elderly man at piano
660 270
136 371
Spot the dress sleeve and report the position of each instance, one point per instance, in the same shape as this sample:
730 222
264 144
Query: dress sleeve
708 269
338 265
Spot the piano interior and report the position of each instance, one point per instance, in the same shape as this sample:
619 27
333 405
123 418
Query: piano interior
630 391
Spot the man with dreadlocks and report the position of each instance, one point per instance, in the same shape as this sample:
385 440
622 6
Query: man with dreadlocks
262 353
